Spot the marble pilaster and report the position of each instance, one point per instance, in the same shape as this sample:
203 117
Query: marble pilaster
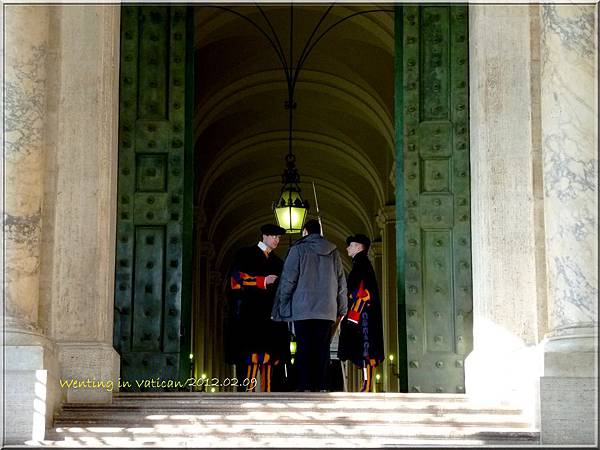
210 324
376 255
197 312
386 220
509 300
80 194
215 325
204 255
569 115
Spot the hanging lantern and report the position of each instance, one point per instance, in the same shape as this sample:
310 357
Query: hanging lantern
290 210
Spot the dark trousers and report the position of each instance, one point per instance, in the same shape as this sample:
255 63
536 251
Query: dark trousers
312 353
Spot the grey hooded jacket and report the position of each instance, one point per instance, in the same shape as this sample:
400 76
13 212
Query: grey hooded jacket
312 284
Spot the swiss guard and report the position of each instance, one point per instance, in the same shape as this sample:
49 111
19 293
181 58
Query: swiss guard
255 343
361 334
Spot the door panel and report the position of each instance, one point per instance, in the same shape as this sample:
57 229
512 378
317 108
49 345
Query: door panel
434 224
151 303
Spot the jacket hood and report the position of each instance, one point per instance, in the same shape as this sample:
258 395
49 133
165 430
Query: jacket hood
317 244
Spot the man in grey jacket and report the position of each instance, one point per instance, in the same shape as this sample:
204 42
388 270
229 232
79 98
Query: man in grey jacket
312 294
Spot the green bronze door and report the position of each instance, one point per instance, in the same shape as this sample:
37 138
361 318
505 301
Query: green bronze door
432 109
152 299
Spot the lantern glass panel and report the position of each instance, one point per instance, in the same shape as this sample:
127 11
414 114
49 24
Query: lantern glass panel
290 217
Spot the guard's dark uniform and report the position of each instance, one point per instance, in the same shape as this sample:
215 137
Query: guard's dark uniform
252 337
361 335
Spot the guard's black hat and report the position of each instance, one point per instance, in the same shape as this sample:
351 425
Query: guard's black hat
359 238
272 230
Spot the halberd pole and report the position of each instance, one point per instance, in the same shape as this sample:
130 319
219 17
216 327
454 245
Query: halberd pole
317 206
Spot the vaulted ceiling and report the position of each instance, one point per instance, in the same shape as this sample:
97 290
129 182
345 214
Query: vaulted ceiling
343 125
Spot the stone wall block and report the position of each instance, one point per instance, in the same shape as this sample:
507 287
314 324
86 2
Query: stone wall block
89 373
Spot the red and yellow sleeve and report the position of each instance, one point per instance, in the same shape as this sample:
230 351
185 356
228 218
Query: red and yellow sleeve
360 298
241 279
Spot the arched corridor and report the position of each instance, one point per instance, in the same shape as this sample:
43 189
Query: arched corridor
343 139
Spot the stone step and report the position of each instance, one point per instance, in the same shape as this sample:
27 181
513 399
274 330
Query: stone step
229 420
307 400
220 408
304 420
295 396
298 436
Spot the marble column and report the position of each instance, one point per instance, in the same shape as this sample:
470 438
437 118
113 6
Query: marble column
30 376
509 298
569 116
25 78
386 220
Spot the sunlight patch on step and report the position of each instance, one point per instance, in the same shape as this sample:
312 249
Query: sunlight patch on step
105 429
140 430
251 442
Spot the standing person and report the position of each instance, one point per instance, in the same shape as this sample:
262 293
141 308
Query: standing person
361 334
312 294
255 342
